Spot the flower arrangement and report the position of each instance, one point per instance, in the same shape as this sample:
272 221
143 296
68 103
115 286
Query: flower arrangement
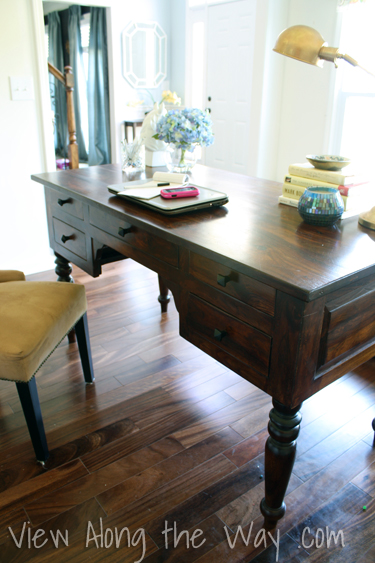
185 129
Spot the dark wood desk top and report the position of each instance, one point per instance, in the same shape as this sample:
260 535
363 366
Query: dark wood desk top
253 232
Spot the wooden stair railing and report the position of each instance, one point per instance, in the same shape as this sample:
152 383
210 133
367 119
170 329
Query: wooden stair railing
68 81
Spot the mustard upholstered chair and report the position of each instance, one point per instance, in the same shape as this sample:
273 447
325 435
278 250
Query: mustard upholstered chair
34 319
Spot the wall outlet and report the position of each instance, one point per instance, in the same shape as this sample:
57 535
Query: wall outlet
21 88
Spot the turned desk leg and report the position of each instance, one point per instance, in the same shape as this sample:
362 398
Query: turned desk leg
280 455
63 270
164 296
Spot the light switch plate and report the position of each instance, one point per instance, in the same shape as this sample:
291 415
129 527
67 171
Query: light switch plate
21 88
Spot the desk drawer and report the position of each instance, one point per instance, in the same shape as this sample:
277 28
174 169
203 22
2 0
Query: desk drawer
142 240
250 291
239 340
66 203
69 237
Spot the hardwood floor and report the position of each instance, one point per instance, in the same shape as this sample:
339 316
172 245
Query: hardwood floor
167 434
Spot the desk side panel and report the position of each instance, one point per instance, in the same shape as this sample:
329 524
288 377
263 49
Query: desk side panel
349 321
295 348
316 343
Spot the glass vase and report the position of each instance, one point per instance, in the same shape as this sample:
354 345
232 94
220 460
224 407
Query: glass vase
180 160
132 156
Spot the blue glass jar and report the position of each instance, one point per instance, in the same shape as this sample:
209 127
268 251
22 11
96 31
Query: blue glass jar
320 206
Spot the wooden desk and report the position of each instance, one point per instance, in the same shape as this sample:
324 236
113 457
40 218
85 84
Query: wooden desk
288 306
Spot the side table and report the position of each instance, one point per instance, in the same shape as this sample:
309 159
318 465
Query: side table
134 123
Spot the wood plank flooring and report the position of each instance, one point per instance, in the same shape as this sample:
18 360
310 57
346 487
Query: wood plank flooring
167 434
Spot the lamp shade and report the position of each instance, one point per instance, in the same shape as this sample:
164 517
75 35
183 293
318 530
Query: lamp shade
301 42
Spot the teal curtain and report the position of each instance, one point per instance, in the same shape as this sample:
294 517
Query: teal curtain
80 85
57 89
98 90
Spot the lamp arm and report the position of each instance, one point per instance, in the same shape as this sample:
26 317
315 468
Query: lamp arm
331 54
355 63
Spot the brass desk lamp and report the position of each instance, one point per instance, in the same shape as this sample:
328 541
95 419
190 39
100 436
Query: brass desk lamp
305 44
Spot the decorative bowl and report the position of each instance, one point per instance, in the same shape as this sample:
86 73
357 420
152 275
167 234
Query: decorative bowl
328 162
320 206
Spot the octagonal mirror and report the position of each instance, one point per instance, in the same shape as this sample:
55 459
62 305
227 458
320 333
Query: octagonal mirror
144 54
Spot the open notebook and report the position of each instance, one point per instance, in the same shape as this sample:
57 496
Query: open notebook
147 194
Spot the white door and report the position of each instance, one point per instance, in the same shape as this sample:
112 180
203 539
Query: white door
230 52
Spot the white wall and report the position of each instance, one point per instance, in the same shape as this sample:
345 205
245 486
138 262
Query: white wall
121 14
292 101
268 82
177 47
23 228
306 95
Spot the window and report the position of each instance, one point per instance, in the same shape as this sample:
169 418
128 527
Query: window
46 41
85 40
355 108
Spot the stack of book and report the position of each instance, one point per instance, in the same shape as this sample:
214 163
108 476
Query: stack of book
357 192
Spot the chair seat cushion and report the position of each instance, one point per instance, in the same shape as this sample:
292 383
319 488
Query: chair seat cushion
34 318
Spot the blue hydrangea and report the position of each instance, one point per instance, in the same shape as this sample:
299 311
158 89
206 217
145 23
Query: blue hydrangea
185 128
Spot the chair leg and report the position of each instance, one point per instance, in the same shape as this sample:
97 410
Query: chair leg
28 395
83 340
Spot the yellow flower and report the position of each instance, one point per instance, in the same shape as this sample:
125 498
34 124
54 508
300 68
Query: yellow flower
134 103
170 98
